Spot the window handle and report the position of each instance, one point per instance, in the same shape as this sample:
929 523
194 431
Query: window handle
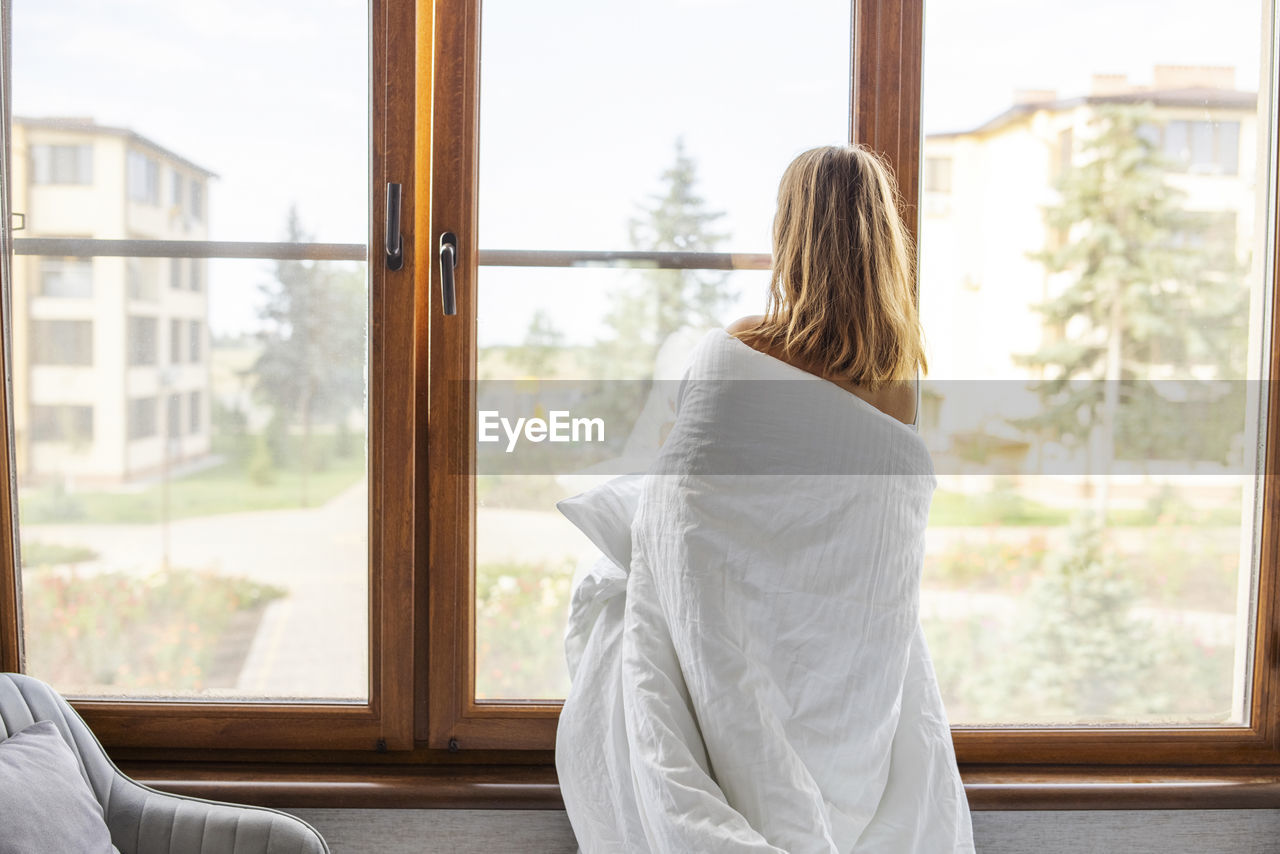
393 243
448 260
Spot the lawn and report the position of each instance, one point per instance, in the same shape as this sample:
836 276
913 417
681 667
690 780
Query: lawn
1006 508
227 488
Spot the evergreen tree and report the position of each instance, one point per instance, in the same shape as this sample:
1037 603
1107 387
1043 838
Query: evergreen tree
1077 650
641 317
312 363
542 342
1140 294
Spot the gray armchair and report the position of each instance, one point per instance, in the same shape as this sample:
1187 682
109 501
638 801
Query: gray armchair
143 820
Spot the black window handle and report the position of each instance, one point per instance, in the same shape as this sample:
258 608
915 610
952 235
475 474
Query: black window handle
448 260
393 242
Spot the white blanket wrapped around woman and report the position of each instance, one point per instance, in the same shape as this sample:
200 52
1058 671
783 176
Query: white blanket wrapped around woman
748 669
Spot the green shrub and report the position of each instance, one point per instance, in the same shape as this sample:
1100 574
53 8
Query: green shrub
122 632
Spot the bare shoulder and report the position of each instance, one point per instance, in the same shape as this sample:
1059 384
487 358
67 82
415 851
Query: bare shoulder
742 324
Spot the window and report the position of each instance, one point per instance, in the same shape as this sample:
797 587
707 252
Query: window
142 279
62 164
143 340
1203 146
175 416
141 418
1062 156
66 278
400 670
937 174
195 412
143 178
62 423
62 342
196 340
175 341
307 400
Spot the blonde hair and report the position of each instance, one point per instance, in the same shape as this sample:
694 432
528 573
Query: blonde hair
841 294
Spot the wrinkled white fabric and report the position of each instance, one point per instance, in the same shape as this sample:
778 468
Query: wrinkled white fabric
752 675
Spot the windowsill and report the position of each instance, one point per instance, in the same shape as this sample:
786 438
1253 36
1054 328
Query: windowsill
535 787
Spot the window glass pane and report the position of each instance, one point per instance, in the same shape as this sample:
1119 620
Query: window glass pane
191 433
684 157
1089 558
1229 146
1202 145
62 164
61 342
66 277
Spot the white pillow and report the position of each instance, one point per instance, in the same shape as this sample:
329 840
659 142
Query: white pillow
604 514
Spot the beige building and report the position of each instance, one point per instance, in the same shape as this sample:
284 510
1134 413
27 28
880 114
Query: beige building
111 354
985 191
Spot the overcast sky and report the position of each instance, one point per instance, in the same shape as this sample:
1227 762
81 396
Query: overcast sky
581 103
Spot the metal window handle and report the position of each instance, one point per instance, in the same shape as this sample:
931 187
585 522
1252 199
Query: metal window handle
393 242
448 260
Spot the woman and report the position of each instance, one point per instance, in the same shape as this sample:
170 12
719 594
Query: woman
749 672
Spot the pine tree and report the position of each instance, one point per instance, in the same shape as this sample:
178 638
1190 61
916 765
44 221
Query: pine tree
542 342
312 362
1140 294
1077 650
661 302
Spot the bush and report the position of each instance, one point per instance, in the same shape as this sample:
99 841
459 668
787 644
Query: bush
522 610
124 633
261 469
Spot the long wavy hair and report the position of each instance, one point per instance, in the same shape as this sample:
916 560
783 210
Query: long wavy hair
842 299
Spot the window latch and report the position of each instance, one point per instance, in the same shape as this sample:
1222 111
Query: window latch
448 261
393 242
17 221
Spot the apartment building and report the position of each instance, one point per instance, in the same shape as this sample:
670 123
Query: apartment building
984 195
112 352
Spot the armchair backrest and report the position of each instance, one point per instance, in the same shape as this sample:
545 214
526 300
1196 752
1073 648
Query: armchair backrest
144 820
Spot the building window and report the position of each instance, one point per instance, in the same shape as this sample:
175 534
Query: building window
142 344
197 201
176 183
937 174
69 278
142 279
62 342
175 416
62 164
197 274
141 418
1062 155
175 341
62 423
194 414
175 273
196 341
1202 146
143 178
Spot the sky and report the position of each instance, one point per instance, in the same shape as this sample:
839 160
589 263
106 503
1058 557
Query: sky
581 104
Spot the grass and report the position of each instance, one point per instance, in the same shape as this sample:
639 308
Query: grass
226 488
1006 509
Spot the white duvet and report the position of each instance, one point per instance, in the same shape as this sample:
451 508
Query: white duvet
748 669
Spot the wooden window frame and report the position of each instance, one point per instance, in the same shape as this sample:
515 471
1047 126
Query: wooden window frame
887 43
423 740
385 721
